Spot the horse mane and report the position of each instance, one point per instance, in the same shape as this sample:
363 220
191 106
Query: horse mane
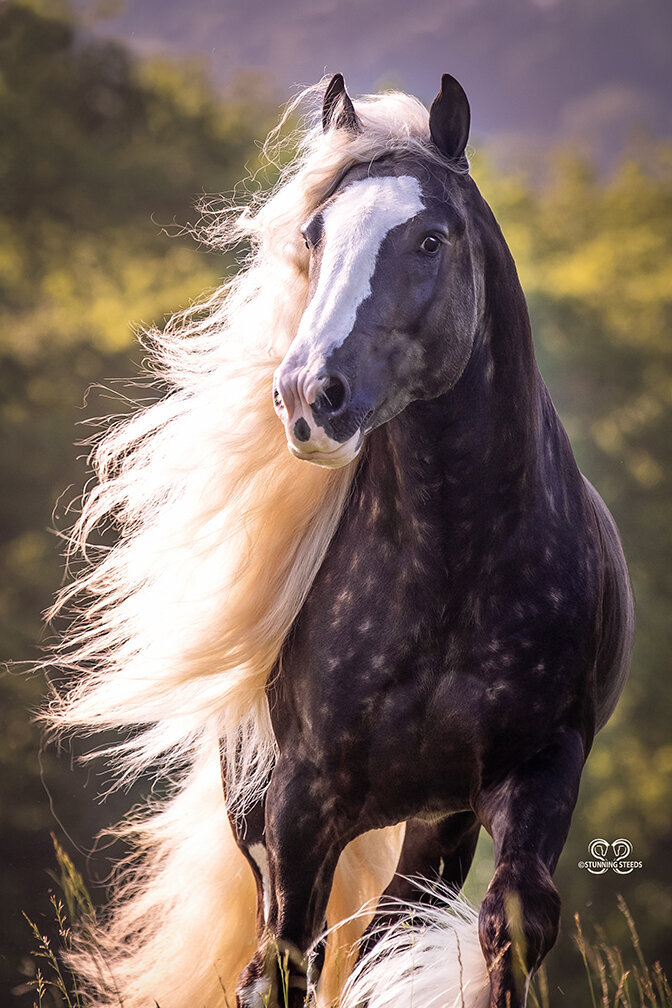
219 532
173 630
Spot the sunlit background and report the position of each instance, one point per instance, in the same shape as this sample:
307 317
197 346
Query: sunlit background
116 117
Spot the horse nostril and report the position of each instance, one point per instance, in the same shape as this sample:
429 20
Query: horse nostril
301 430
333 395
277 398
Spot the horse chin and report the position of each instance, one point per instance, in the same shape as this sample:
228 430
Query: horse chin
333 458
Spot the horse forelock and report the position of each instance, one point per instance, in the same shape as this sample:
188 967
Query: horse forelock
393 123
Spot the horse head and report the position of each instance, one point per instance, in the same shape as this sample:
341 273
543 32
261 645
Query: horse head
393 297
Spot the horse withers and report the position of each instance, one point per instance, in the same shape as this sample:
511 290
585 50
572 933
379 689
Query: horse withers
470 626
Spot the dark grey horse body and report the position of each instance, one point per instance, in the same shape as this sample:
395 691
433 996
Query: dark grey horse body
469 629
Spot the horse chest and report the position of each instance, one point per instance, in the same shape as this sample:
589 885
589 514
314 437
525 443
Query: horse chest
390 657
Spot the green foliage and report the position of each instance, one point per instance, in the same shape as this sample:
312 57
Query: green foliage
103 156
104 162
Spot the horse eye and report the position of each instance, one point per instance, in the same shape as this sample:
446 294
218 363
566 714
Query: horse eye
431 244
306 243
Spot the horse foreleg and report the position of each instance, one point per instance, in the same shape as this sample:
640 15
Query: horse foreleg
436 850
248 829
528 816
304 839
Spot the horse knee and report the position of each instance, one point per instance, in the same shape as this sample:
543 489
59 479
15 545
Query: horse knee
518 924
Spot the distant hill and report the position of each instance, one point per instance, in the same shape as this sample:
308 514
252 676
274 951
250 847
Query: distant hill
534 69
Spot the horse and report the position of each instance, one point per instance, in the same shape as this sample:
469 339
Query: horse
343 671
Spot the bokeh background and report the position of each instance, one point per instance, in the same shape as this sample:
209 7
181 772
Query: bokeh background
115 118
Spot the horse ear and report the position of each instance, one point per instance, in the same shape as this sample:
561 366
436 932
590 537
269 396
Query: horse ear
338 112
450 118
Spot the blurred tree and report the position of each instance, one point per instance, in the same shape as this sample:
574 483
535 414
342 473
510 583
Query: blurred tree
100 157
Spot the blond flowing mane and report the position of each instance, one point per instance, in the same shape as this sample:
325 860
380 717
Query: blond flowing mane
219 534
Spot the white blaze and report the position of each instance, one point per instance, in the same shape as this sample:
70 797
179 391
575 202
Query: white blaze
355 226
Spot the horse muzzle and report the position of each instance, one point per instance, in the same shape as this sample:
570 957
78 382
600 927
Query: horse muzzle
314 409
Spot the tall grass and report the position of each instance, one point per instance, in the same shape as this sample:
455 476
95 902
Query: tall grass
615 978
54 985
611 982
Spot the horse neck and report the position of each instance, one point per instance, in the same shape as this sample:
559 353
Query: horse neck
471 457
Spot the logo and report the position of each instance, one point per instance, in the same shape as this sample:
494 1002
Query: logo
605 855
